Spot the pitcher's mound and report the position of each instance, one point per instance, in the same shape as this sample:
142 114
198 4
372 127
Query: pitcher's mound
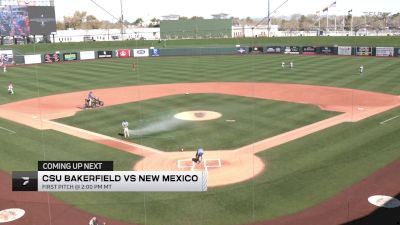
198 115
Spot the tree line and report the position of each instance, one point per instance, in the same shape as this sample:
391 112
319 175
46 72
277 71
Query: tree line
296 22
83 20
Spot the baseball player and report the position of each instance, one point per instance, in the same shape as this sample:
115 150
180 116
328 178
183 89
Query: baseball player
283 65
93 221
199 155
90 98
10 88
4 68
133 66
291 65
125 125
361 69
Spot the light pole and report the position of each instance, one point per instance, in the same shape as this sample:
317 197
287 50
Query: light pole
351 22
270 13
122 21
269 18
365 22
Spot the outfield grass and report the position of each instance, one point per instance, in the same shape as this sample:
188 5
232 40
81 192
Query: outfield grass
300 174
256 119
225 42
39 80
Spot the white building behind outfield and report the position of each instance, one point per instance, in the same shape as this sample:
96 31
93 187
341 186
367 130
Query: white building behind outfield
148 34
254 31
154 33
106 35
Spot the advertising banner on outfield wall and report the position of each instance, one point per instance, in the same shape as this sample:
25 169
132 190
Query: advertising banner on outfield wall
70 56
384 51
256 50
32 59
273 49
293 50
51 57
364 51
155 52
123 53
309 50
104 54
344 50
85 55
327 50
143 52
6 57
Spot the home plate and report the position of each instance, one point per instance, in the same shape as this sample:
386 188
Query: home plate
8 215
34 117
384 201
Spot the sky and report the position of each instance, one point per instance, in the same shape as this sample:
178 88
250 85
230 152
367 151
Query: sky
147 9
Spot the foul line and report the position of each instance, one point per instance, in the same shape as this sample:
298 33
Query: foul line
11 131
383 122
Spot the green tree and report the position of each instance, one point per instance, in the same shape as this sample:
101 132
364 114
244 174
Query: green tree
154 22
138 22
302 21
196 18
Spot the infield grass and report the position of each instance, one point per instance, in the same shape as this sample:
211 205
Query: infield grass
255 120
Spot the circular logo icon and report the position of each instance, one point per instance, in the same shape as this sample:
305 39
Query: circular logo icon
384 201
9 215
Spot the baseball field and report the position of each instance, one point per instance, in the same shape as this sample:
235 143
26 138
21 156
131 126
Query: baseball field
306 145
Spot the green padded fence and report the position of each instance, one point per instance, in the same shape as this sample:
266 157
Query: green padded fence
196 51
196 28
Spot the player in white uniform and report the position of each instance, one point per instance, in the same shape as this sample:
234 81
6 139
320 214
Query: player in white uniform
361 69
283 65
93 221
10 88
291 65
125 125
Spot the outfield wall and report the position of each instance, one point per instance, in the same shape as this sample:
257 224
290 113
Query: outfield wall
196 28
56 57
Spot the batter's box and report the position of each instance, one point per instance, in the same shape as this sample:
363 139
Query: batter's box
212 163
186 163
